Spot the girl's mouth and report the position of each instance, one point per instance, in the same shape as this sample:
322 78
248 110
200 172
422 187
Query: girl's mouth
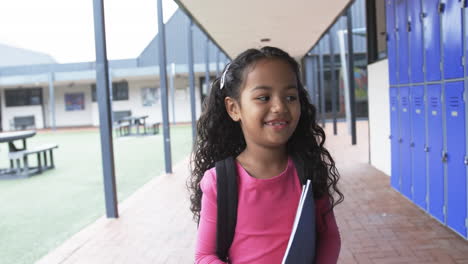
277 124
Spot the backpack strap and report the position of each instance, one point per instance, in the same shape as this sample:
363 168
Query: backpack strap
300 169
226 186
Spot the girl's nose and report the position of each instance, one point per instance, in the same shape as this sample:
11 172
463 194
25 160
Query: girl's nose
278 106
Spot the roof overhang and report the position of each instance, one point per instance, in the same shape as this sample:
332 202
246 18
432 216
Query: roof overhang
235 26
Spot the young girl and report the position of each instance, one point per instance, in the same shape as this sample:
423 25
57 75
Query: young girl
259 113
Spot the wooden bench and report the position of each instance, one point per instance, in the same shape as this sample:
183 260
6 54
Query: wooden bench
23 122
43 163
121 129
153 128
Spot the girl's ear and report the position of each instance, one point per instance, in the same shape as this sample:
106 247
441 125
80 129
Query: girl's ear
232 108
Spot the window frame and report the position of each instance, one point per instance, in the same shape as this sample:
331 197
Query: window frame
23 96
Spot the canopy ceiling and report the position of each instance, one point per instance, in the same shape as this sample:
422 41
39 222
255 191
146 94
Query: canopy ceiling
294 25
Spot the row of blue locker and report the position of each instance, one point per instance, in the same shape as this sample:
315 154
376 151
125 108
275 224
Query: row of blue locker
426 37
428 146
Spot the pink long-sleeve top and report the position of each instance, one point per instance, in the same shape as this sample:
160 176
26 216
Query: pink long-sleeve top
265 216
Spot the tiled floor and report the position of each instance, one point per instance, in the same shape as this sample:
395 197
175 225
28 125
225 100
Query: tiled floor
377 224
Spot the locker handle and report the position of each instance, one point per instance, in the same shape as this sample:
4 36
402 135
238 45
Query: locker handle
441 8
408 26
444 156
400 140
426 149
412 144
422 15
466 161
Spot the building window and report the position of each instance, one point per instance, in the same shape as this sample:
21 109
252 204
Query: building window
23 96
119 91
149 96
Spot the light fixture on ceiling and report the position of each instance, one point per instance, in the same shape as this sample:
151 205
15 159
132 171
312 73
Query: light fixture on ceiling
265 40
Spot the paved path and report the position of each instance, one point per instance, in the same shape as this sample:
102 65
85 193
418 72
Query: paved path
377 224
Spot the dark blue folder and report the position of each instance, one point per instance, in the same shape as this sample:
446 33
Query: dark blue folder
301 248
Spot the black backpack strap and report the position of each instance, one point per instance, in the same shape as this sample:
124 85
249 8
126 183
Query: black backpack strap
300 169
226 182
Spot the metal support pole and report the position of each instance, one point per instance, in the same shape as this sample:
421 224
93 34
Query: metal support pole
333 84
207 65
171 85
351 76
163 85
322 84
217 62
102 92
111 95
344 70
309 67
52 122
192 81
315 88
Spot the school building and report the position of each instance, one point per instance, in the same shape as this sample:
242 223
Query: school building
44 94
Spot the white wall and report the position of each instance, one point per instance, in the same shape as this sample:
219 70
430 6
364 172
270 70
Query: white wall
65 118
8 113
135 102
379 116
89 116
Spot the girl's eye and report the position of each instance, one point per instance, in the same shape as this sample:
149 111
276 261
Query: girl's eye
263 98
291 98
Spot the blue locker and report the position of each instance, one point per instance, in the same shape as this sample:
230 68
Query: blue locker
418 119
394 138
403 47
456 140
391 42
465 34
452 39
416 41
405 142
431 40
435 145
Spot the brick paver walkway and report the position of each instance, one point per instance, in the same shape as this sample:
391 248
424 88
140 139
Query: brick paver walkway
377 224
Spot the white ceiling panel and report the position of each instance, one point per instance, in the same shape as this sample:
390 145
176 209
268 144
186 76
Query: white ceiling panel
235 26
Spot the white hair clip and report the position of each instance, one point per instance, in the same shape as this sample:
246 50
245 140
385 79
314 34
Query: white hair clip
223 77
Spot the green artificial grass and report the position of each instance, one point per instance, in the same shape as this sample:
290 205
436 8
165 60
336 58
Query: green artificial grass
39 213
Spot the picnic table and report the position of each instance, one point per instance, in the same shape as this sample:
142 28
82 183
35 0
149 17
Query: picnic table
134 121
19 154
10 137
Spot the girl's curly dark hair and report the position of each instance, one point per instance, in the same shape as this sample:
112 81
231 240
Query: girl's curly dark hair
219 137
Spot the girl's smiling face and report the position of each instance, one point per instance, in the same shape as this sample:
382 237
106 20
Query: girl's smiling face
268 109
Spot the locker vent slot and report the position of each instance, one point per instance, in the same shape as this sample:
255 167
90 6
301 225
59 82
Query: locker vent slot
418 101
454 101
393 100
404 101
434 101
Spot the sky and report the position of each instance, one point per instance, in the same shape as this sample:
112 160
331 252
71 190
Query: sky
64 29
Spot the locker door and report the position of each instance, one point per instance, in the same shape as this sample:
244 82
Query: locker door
416 41
391 42
418 119
452 39
402 37
394 138
405 141
435 140
431 40
456 140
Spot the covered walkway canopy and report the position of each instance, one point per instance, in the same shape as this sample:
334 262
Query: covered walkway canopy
235 26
